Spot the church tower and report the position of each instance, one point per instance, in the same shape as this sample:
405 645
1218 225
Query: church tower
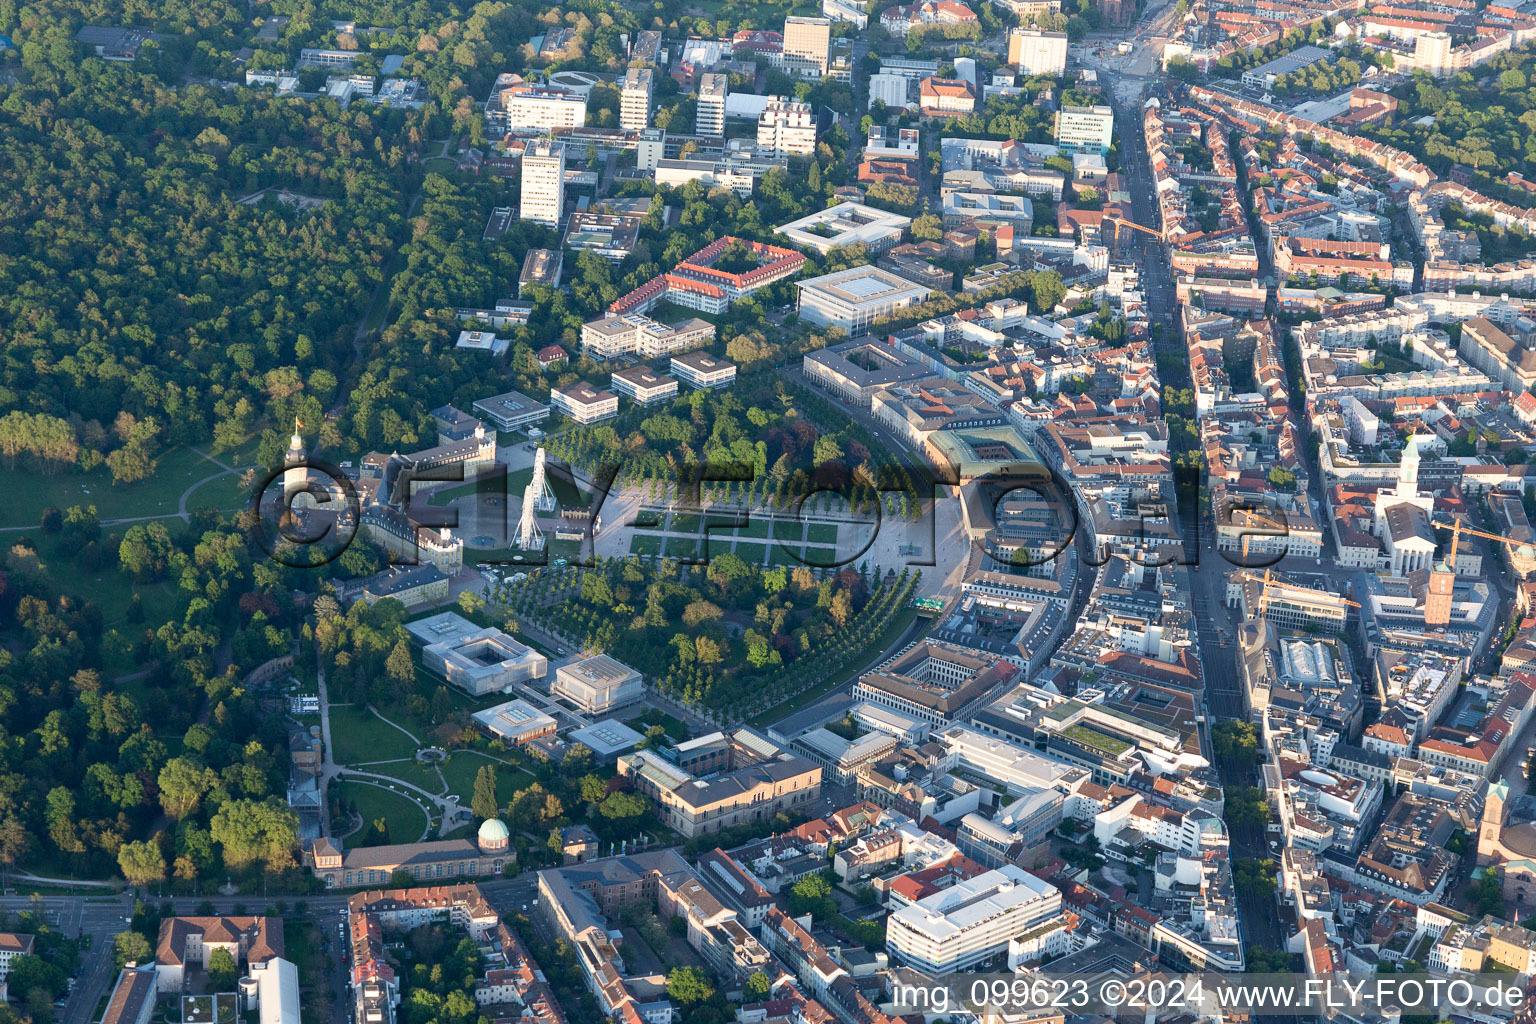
1490 848
295 472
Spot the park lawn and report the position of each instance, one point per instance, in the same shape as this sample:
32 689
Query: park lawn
756 528
28 493
644 545
684 547
785 554
821 533
686 522
440 164
111 589
412 771
404 816
464 765
223 493
752 554
360 737
788 529
820 557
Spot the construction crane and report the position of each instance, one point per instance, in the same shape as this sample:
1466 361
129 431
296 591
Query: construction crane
1248 574
1252 514
1116 219
1457 529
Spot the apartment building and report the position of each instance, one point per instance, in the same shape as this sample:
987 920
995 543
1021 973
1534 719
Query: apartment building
644 385
543 200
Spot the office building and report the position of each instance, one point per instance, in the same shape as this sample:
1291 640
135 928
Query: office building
584 403
542 107
1085 129
598 684
847 224
971 921
185 941
635 99
808 40
709 118
786 128
894 91
516 722
721 780
701 370
855 298
133 997
543 199
541 266
856 12
644 385
1035 52
512 411
273 989
638 334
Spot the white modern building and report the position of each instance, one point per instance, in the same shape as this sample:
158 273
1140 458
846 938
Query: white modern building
635 99
1035 52
598 684
275 986
855 298
543 200
584 403
643 384
971 921
636 333
855 12
1085 129
786 128
542 107
894 91
846 224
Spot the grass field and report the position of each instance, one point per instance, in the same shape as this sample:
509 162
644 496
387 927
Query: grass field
644 545
788 529
405 818
756 529
821 533
752 554
815 556
784 554
27 493
360 737
412 771
686 522
683 547
461 770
